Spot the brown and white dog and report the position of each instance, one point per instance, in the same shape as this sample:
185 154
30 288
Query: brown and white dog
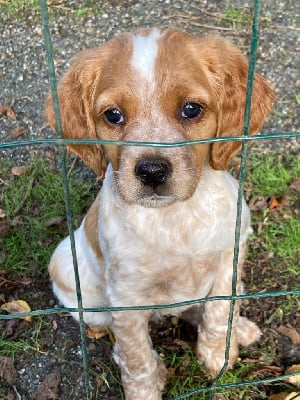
161 230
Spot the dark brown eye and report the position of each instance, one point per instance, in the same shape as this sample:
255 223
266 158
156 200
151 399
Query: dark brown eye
114 116
191 110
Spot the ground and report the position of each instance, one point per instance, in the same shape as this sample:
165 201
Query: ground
41 359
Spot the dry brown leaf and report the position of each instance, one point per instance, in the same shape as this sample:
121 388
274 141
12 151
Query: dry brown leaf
48 389
258 203
21 171
295 185
2 109
97 332
294 380
4 228
53 221
290 332
283 396
182 343
274 204
8 112
18 131
171 372
51 3
17 306
54 325
7 370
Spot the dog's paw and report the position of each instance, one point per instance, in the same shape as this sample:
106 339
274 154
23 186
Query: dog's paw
247 331
212 355
162 372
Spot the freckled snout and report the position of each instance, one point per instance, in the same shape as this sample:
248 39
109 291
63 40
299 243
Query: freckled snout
153 171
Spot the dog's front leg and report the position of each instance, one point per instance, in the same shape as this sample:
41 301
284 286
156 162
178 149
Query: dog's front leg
212 331
143 373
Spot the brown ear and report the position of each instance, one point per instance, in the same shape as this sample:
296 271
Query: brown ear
75 94
229 72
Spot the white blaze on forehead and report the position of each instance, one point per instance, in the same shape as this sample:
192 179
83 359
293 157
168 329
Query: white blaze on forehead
144 54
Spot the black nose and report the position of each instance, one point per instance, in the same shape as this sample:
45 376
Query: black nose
153 171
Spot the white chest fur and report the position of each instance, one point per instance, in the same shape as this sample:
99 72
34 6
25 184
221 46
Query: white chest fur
187 240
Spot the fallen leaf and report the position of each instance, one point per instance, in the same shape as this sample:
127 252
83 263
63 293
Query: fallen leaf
2 213
258 203
183 344
53 221
97 332
17 306
294 380
21 171
290 332
48 389
9 112
4 228
186 362
7 370
295 185
274 204
51 3
16 327
171 372
18 131
284 396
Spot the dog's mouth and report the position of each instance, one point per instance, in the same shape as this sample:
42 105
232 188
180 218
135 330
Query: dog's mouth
155 201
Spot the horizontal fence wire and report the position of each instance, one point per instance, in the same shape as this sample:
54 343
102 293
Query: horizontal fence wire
245 138
65 142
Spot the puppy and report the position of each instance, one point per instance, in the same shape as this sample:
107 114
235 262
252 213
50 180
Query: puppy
161 229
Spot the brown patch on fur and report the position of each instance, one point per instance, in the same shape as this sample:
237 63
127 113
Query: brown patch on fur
91 228
56 277
90 74
228 74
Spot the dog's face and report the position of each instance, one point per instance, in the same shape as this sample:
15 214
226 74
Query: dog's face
158 86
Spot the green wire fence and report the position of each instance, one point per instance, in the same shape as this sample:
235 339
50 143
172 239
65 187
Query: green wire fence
62 143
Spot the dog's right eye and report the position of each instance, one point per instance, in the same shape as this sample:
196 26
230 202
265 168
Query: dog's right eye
114 116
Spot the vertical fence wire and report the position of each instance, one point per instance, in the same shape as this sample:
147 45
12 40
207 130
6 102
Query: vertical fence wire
242 176
64 172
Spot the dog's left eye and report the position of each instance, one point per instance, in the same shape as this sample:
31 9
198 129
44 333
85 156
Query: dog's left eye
114 116
191 110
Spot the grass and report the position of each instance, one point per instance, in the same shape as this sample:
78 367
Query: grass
189 375
270 176
237 16
21 9
276 231
13 8
31 241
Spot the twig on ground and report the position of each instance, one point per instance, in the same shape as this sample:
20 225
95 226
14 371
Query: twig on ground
27 194
71 167
220 28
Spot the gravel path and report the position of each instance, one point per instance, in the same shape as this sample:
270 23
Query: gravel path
80 24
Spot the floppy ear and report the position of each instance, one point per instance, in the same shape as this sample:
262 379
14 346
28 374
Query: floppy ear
228 73
75 93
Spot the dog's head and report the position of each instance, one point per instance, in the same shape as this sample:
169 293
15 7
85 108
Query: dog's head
158 86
